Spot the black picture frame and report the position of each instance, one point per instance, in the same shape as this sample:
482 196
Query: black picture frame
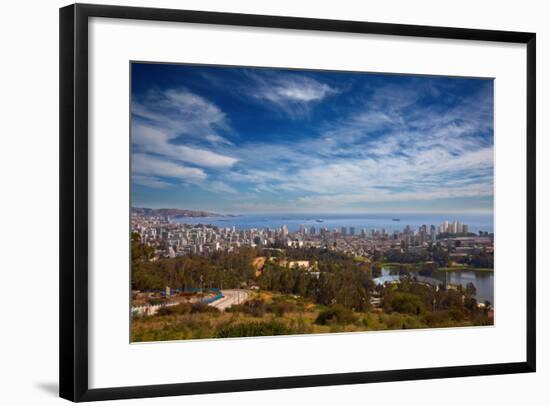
73 180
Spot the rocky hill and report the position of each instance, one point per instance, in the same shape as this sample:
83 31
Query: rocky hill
173 212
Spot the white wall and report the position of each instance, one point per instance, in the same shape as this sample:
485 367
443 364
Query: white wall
28 202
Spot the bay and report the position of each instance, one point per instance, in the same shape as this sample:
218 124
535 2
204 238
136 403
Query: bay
391 222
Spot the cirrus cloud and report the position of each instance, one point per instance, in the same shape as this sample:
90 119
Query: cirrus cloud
149 165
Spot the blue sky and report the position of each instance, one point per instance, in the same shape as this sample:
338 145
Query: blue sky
241 140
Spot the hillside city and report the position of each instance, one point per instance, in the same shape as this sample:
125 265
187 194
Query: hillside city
203 281
171 239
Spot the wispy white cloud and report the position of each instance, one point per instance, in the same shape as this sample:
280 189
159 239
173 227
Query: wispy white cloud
150 166
218 187
157 141
161 118
180 111
150 181
292 93
380 196
384 154
216 139
387 145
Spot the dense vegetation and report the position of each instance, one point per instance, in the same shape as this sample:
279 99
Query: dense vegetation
405 306
222 269
336 279
332 294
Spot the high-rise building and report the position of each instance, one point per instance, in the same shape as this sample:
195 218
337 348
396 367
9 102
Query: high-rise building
454 227
422 233
343 231
312 230
352 231
432 232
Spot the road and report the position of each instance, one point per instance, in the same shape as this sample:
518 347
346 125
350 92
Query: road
230 297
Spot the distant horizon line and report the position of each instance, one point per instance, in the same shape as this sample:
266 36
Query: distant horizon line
223 212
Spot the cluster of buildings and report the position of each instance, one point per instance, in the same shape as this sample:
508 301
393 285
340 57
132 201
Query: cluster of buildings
173 239
455 227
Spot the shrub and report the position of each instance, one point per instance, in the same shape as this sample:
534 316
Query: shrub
394 321
336 314
235 309
403 302
412 322
253 307
457 314
270 328
280 308
186 308
182 308
203 308
164 311
438 318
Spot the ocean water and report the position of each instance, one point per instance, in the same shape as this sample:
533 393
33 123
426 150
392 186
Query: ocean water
475 222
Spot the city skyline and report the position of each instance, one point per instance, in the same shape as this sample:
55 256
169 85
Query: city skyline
181 238
246 140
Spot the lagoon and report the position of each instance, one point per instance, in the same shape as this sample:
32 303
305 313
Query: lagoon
482 280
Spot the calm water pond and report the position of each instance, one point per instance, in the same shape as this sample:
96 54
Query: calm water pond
482 280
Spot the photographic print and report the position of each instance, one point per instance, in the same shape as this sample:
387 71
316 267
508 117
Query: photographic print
272 201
